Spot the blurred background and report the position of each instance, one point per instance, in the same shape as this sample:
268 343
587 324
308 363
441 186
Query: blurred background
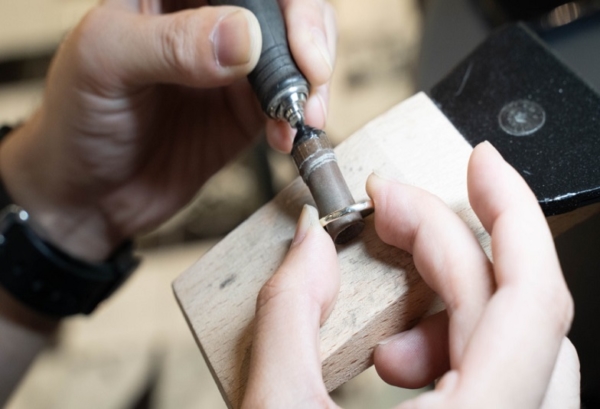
136 351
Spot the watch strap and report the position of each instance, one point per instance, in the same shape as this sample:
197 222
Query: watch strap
5 200
49 280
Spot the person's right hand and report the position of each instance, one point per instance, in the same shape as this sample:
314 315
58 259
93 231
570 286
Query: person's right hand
145 100
500 344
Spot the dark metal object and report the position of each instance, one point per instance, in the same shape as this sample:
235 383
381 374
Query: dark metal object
282 91
318 167
566 14
50 281
556 148
278 83
543 15
577 44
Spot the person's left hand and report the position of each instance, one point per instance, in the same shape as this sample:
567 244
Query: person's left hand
500 344
144 101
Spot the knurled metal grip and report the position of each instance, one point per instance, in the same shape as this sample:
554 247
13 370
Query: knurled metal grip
276 74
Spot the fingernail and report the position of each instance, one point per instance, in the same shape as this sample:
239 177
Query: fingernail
320 41
308 218
488 145
234 38
379 180
382 174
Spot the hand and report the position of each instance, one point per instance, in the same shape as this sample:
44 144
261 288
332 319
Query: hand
500 344
145 100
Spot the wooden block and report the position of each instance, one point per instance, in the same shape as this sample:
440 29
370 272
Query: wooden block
381 292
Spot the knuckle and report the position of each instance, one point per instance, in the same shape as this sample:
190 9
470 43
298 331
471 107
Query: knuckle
92 19
178 42
272 289
566 313
455 289
89 29
83 49
559 307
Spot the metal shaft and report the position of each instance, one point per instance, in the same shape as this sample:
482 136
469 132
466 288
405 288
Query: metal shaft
318 167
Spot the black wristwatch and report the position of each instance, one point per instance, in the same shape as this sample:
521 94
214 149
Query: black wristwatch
46 278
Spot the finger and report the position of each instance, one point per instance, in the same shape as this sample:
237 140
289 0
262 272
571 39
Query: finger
513 350
286 366
317 104
564 391
205 47
279 135
308 37
417 357
446 252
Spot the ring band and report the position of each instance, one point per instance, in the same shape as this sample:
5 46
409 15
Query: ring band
365 208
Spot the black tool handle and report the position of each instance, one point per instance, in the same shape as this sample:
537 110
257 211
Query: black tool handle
276 69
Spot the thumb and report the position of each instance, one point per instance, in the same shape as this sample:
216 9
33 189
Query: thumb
286 365
204 47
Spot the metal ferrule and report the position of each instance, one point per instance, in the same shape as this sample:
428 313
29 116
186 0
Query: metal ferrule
311 154
288 105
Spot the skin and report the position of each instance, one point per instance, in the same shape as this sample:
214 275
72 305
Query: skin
500 344
142 106
140 110
144 101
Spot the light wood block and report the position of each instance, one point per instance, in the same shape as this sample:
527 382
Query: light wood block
381 292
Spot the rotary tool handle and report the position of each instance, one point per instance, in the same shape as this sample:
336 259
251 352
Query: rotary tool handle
276 70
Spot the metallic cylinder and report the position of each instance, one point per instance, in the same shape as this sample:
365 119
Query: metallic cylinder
318 167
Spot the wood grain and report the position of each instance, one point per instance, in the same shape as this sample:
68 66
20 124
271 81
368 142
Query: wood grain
381 292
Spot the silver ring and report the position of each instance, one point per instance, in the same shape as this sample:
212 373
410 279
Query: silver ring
365 208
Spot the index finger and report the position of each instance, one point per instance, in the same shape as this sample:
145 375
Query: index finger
513 350
312 35
446 252
285 367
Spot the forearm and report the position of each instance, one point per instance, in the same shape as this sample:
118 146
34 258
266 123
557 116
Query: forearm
23 331
23 334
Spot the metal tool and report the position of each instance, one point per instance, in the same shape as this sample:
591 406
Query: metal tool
542 117
282 91
318 167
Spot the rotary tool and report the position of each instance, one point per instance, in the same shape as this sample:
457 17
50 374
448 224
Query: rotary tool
282 91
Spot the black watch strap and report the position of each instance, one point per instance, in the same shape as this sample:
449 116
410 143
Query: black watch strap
49 280
46 278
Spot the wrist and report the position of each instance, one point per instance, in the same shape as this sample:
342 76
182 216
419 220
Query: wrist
33 178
